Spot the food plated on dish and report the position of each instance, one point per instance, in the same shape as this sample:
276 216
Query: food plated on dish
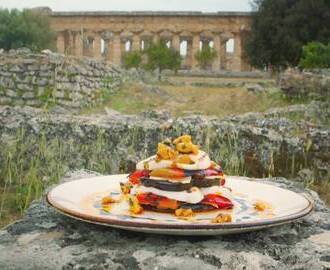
180 180
179 190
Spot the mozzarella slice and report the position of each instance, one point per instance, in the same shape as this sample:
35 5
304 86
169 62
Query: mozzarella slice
201 162
217 190
151 164
193 196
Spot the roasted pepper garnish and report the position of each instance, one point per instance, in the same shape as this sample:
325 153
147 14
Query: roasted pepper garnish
125 187
184 213
134 177
108 200
106 203
183 139
262 206
184 145
184 159
106 207
165 152
222 218
134 206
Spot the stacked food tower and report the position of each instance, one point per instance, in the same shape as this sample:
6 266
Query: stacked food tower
179 179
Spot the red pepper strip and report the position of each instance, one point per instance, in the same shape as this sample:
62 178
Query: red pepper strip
217 201
210 172
134 178
222 181
157 201
148 198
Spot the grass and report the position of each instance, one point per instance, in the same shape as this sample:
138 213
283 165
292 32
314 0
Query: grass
213 80
29 164
185 100
27 167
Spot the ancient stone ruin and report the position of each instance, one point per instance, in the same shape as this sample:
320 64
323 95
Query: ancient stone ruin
109 35
36 79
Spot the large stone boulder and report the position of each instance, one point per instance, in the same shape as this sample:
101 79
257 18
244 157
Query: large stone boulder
44 239
312 84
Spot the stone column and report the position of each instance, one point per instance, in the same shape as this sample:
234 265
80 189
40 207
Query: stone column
60 42
245 66
155 38
195 49
176 43
222 53
237 61
217 48
109 47
115 50
136 43
97 46
78 45
70 43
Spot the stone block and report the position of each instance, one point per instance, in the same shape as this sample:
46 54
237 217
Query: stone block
46 73
33 67
16 68
24 87
29 61
5 74
42 82
59 94
28 95
33 103
5 100
11 93
45 67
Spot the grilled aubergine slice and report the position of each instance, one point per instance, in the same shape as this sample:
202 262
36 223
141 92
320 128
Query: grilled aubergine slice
171 186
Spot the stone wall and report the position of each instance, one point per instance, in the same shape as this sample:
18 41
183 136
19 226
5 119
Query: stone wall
306 84
255 144
48 79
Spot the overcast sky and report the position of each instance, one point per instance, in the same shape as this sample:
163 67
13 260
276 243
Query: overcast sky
194 5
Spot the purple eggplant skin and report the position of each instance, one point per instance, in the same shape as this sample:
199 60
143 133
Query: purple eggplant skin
207 172
197 207
165 185
170 186
204 183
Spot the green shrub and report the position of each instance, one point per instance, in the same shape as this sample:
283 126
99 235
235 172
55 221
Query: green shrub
279 29
132 59
161 57
315 55
25 28
205 56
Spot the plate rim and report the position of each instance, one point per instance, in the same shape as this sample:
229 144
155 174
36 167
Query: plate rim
108 221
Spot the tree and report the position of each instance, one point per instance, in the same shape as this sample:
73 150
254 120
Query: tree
132 59
161 57
315 55
27 28
205 56
280 28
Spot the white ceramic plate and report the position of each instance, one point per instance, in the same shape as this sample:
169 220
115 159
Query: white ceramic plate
80 199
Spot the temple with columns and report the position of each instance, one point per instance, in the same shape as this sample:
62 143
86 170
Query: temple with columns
109 35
